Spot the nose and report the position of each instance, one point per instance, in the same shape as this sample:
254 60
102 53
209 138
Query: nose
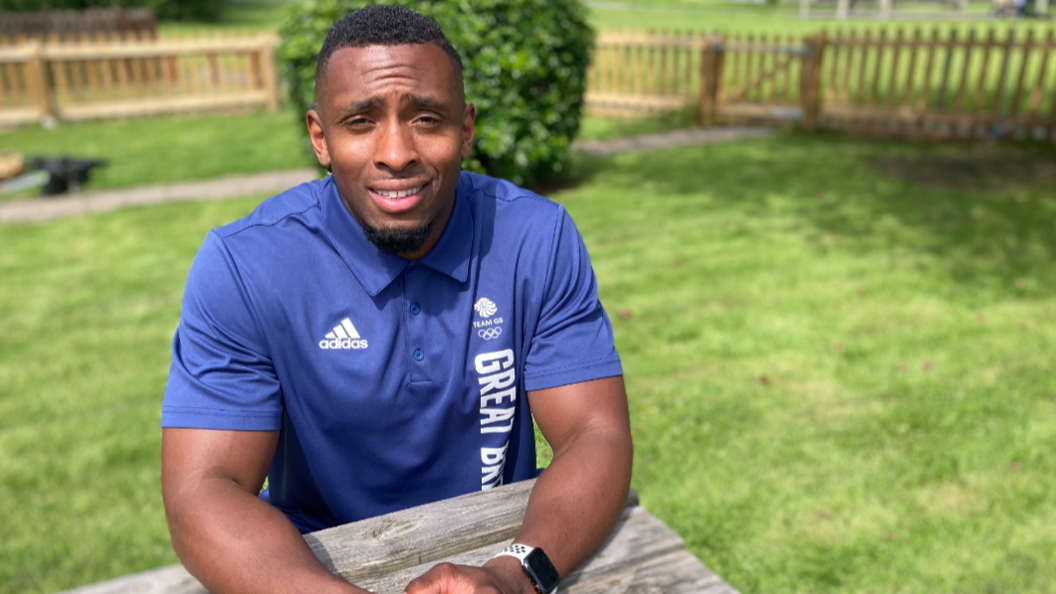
395 149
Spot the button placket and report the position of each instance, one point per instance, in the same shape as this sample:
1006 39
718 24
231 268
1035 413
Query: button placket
414 331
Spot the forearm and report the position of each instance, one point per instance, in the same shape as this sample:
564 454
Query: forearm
236 543
578 499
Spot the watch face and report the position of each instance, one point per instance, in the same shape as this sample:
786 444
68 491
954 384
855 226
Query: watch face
541 570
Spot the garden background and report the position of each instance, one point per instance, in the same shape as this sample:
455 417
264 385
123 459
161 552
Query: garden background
837 350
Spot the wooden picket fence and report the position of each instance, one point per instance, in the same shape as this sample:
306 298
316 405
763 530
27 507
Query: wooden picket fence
105 76
892 81
634 71
941 85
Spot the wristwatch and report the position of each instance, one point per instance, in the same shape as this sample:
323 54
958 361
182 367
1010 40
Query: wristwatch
536 564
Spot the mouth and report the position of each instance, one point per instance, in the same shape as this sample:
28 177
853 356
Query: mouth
396 200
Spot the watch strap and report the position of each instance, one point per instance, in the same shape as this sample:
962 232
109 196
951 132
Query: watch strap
521 552
516 550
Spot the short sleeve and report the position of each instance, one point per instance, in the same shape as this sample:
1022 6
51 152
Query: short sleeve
573 339
221 376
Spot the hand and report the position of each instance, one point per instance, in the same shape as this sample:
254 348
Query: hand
499 576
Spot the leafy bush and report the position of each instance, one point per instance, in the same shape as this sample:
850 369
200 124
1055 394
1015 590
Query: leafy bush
525 65
198 10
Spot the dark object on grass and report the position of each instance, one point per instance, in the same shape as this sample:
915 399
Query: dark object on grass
65 174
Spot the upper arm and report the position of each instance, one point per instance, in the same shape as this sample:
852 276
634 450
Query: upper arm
564 413
190 458
222 407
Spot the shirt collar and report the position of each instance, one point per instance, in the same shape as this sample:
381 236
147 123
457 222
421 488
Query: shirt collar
376 269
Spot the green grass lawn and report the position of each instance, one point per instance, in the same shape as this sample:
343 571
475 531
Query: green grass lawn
169 149
601 128
838 355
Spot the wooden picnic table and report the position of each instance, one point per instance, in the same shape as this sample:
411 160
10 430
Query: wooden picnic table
383 554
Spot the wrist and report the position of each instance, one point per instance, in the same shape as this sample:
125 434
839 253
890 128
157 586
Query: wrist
509 571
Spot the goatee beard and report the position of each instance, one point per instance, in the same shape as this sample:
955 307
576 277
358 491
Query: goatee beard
397 241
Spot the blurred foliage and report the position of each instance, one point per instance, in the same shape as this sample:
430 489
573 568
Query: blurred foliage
525 64
193 10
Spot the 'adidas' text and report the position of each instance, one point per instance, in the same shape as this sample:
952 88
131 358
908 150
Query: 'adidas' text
343 343
344 336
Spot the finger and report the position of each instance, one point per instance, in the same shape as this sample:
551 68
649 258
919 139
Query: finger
440 579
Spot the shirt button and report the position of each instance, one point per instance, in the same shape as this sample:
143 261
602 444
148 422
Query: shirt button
418 355
415 309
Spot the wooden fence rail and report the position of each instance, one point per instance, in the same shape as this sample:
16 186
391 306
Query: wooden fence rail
104 77
891 81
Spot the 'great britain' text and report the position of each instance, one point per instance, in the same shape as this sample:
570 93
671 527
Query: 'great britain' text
498 387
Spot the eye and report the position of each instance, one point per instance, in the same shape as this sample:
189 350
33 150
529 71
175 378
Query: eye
357 121
428 119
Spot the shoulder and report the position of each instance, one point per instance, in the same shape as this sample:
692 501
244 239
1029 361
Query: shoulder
300 203
512 212
278 235
508 196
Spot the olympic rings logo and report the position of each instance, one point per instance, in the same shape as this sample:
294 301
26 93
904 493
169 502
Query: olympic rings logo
489 333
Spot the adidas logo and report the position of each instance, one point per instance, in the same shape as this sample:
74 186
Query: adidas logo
343 336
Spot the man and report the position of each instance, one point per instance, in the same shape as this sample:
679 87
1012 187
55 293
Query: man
372 341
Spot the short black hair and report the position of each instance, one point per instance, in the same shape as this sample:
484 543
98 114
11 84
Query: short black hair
383 24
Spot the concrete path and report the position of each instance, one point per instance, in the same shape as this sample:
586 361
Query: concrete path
43 209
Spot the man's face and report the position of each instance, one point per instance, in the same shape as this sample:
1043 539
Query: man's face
392 124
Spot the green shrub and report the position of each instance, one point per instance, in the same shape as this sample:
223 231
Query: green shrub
525 70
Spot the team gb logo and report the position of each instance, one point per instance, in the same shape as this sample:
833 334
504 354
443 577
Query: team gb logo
485 307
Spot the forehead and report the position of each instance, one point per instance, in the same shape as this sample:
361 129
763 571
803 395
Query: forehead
359 72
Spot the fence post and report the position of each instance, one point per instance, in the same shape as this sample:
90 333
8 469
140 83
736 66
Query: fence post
843 9
709 83
810 80
886 9
269 76
36 81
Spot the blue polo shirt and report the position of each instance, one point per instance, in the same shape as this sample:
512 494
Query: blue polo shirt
393 383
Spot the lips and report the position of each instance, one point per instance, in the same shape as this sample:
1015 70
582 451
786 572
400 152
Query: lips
399 193
396 200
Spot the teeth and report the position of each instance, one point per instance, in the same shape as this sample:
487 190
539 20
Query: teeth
399 194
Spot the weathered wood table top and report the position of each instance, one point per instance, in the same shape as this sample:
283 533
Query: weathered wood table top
383 554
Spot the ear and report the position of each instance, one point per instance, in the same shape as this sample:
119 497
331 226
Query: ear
468 124
315 132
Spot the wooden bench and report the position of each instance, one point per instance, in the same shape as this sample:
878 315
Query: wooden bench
383 554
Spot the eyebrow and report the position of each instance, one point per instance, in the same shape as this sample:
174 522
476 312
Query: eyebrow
419 100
